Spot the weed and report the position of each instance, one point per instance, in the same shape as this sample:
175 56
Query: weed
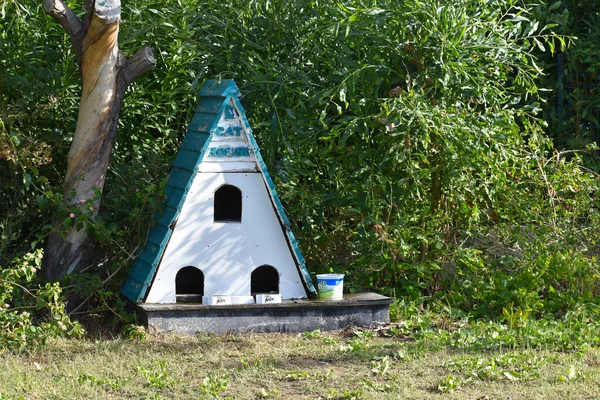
355 394
449 384
264 393
329 340
312 334
92 380
364 334
360 342
157 396
213 385
355 345
297 375
572 375
305 376
157 378
31 313
379 387
322 377
247 364
133 332
410 351
318 334
516 318
509 366
380 366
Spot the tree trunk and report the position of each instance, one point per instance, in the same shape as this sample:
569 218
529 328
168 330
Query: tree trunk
105 75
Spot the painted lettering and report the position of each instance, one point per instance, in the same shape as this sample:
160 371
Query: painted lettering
241 151
229 131
229 114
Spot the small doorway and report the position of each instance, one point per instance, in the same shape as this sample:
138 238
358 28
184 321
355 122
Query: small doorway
264 279
189 285
228 204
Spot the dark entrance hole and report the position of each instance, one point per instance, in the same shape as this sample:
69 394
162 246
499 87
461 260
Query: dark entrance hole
228 204
189 285
264 279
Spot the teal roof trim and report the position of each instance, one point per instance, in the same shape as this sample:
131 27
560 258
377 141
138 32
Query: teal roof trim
219 88
215 95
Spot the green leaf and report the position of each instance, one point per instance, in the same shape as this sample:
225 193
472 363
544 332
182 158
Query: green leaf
375 11
555 5
540 45
533 28
343 94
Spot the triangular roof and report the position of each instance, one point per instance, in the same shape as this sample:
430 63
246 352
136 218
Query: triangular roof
215 96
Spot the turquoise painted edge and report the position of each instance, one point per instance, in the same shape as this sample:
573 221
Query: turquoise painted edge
293 243
305 275
219 88
133 289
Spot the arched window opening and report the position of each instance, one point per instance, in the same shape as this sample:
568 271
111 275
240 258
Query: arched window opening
264 279
189 285
228 204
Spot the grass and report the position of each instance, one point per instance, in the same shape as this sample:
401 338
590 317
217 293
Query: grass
416 359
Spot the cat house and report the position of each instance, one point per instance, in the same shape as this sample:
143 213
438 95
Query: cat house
223 231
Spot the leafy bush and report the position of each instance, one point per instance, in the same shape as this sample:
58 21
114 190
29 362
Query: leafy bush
405 139
30 313
573 108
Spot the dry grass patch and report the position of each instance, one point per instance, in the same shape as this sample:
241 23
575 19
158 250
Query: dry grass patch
314 365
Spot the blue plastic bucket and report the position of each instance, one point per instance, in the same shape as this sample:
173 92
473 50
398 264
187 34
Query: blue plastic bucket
331 286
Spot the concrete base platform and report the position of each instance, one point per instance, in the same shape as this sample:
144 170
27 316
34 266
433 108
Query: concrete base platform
357 309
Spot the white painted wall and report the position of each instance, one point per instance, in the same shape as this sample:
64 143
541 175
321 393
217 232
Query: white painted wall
227 253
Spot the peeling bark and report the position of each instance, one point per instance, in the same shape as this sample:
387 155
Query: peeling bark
105 75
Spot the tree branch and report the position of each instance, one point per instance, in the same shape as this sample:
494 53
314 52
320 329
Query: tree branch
62 14
88 7
108 10
140 63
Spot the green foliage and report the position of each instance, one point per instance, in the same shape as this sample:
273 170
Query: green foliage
573 109
449 384
92 380
37 106
405 139
134 332
157 378
30 313
572 375
576 330
511 367
506 366
213 385
292 366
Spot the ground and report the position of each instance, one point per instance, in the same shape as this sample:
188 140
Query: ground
351 364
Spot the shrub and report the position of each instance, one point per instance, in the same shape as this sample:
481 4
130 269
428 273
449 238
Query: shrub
30 313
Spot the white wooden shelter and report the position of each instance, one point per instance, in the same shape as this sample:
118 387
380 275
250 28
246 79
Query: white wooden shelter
223 230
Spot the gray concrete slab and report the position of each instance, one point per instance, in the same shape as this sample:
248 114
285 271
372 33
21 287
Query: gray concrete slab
357 309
